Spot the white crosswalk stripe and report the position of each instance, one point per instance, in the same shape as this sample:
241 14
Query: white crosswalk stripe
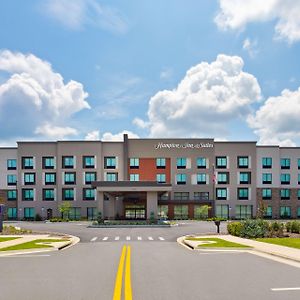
139 238
105 238
117 238
161 238
128 238
150 238
94 239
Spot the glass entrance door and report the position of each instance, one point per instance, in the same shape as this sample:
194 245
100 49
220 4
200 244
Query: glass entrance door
135 212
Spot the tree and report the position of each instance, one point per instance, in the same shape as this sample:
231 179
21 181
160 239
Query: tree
203 212
261 209
64 208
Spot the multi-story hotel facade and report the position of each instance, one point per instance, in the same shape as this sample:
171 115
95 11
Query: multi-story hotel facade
141 178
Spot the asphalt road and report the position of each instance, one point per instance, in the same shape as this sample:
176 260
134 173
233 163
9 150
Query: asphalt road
160 268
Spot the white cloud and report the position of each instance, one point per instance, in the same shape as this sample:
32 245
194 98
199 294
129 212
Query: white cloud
251 47
277 120
140 123
235 14
77 14
93 136
208 97
108 136
166 74
35 94
55 132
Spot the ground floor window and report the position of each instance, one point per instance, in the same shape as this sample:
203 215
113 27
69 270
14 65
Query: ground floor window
74 213
285 211
29 213
268 212
298 212
12 213
180 212
201 211
135 211
222 211
243 211
163 211
91 213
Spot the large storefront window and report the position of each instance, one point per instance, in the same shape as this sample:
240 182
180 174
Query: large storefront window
222 211
243 211
180 212
74 213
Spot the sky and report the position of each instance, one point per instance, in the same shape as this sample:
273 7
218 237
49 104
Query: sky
96 69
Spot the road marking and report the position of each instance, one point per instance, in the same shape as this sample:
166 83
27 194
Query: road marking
285 289
128 238
128 289
118 283
150 238
94 239
117 238
105 238
161 238
139 238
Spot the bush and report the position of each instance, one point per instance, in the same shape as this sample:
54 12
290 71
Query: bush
295 227
288 226
254 228
234 228
100 220
275 229
38 217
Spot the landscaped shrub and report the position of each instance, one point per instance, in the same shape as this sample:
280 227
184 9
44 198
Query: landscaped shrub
38 217
288 226
295 227
275 229
254 228
234 228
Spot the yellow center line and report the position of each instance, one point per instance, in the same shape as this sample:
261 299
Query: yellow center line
128 290
126 254
118 284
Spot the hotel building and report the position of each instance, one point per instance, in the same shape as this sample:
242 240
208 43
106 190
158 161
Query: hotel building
140 178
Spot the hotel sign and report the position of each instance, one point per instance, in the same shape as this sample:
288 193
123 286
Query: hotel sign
183 145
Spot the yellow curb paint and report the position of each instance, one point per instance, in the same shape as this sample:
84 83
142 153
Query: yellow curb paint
118 283
128 290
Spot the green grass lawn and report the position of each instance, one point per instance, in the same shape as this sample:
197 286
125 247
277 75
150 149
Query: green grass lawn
32 245
5 239
288 242
219 243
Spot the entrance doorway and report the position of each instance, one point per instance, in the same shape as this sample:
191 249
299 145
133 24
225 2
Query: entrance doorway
135 211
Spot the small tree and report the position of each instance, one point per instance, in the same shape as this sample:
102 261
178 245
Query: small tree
100 220
203 212
261 209
64 209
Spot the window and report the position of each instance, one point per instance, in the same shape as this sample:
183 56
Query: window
48 194
267 178
201 178
268 212
298 163
50 178
298 194
285 211
243 211
70 177
267 194
110 162
164 196
223 178
111 176
88 194
68 194
222 211
29 213
181 196
267 162
221 194
298 178
285 194
201 196
161 178
74 213
180 178
48 162
243 193
181 163
298 212
180 211
27 194
245 177
68 162
134 163
11 179
91 213
160 163
27 162
89 162
134 177
11 213
89 177
12 195
285 163
11 164
163 211
29 178
243 162
201 163
285 178
221 162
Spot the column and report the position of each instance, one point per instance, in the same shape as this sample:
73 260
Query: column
152 204
101 203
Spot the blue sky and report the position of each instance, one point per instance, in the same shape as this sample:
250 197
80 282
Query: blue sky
90 69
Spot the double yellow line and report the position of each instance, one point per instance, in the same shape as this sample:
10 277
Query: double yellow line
119 278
